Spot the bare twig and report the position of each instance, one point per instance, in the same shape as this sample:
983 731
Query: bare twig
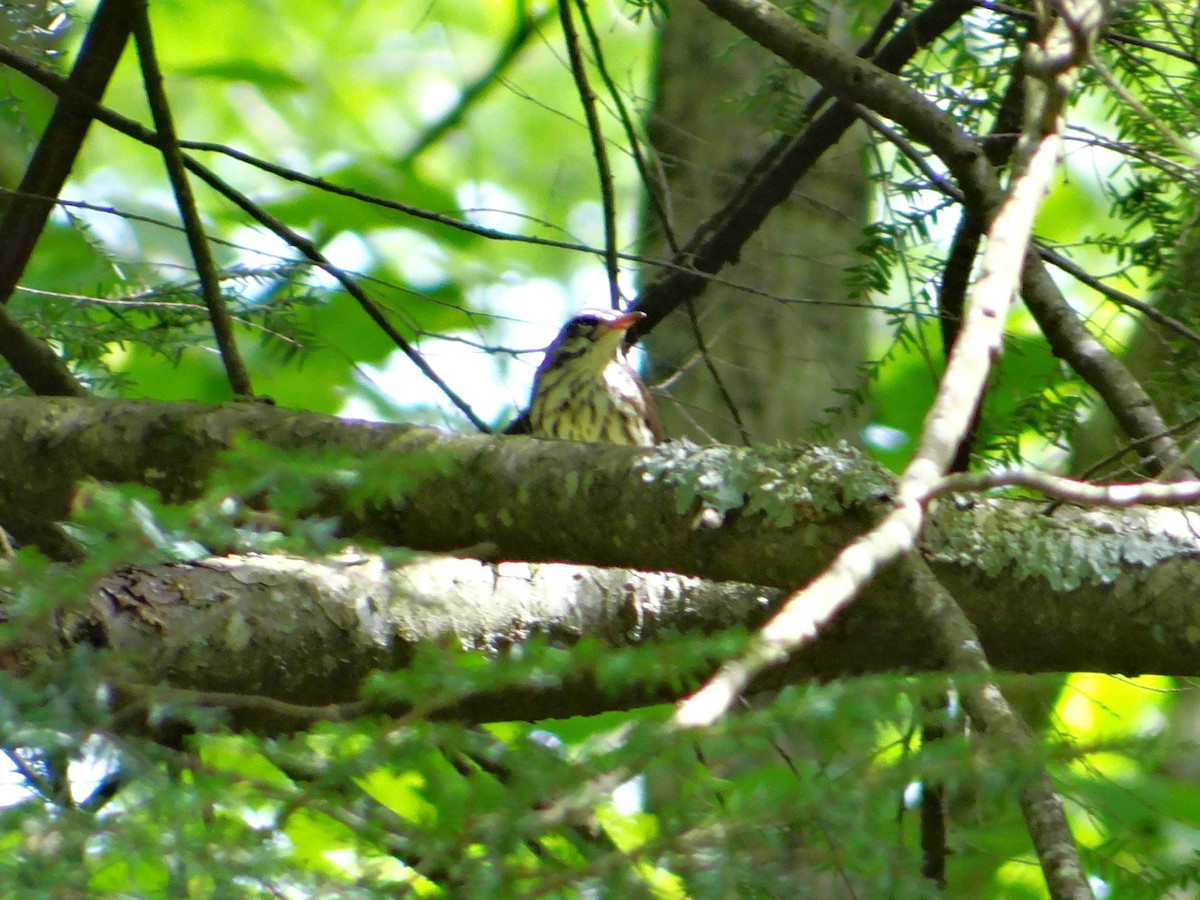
911 153
313 254
525 28
1080 274
718 382
140 699
1169 493
206 269
587 99
631 132
1132 447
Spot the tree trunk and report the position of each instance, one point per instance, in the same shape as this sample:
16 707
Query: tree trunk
781 362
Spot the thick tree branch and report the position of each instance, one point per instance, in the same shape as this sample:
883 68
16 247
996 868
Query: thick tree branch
59 145
282 642
1124 586
1124 397
32 359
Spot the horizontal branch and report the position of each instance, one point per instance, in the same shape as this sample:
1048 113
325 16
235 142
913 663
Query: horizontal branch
283 641
1082 590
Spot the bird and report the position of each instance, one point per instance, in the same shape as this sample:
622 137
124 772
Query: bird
586 390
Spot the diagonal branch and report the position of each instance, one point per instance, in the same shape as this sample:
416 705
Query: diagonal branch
1119 297
34 360
60 142
587 97
863 82
9 330
1125 398
1040 804
206 269
37 364
718 241
978 343
1053 63
310 251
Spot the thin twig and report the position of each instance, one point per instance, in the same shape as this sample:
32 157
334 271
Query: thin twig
911 153
718 382
1070 490
631 133
526 26
1186 175
144 697
1134 447
1059 261
206 269
312 253
587 99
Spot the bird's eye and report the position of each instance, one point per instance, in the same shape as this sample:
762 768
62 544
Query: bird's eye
583 326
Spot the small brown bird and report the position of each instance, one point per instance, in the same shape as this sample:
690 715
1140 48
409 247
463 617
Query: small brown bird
585 390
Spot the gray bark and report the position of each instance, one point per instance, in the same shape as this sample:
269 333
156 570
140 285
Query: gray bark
1080 590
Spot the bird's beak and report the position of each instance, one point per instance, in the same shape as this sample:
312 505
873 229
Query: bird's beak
623 323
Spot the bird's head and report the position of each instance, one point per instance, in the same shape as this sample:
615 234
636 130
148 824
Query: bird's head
591 339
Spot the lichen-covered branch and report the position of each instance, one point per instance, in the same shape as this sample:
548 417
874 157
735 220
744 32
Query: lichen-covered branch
959 391
1123 586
